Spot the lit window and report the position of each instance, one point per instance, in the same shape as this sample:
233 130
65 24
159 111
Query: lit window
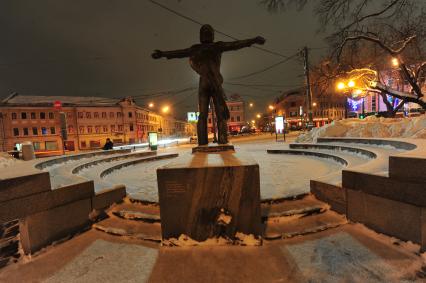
70 129
112 128
51 145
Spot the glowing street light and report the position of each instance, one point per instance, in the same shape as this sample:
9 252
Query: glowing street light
271 107
165 109
251 104
151 105
351 83
395 62
258 116
253 121
341 85
314 104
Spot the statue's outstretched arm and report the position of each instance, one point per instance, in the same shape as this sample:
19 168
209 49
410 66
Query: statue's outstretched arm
180 53
238 44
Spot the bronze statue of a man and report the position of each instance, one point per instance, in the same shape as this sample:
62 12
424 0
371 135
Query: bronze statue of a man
204 59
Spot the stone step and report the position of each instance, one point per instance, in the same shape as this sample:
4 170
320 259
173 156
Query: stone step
137 215
297 225
306 206
133 229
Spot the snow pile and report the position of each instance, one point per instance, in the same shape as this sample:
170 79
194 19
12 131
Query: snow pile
240 239
371 127
7 161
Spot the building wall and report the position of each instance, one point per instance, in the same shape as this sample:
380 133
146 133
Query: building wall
237 116
88 127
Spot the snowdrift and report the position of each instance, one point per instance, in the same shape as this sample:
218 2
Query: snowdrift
6 161
371 127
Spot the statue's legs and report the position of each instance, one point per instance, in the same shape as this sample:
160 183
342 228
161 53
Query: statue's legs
222 114
203 107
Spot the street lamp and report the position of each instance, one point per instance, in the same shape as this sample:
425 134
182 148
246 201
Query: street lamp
341 85
314 104
258 116
395 62
351 83
151 105
271 107
165 109
251 104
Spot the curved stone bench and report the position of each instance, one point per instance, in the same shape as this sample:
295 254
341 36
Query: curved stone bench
334 158
353 150
367 141
63 159
136 161
80 167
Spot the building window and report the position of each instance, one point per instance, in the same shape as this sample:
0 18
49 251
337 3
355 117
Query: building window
111 114
120 128
15 132
23 115
51 145
238 118
105 128
119 114
97 129
210 120
80 115
70 129
37 145
52 130
232 108
104 115
43 131
112 128
69 115
96 115
88 115
89 129
25 131
130 114
42 115
232 119
81 129
51 115
131 126
14 116
95 144
35 131
83 144
33 115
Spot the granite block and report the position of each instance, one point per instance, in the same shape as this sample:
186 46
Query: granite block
18 187
106 198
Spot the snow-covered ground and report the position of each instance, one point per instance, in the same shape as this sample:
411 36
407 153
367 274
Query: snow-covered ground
7 161
371 127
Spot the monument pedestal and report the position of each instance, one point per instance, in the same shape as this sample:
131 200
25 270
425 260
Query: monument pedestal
209 195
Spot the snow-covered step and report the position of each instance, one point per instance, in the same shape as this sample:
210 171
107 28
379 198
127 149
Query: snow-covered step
297 225
305 206
128 228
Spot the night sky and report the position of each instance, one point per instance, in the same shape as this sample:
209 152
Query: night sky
103 47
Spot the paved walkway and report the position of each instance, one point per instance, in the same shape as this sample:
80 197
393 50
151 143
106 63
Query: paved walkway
350 253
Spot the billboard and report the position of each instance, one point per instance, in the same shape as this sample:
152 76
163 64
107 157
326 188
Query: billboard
153 140
193 117
279 124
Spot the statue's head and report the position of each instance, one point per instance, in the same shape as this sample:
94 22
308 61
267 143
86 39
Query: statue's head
206 34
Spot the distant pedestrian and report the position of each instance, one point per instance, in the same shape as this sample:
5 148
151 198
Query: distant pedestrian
108 144
15 153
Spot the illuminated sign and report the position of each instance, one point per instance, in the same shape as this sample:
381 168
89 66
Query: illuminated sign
193 116
279 124
57 105
153 140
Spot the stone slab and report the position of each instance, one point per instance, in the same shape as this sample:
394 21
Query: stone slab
18 187
382 186
22 207
407 169
194 188
213 148
106 198
43 228
335 196
386 216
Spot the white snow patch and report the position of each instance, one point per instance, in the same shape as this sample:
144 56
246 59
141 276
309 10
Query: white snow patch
370 127
6 161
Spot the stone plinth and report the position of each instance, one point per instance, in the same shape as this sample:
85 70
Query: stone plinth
213 148
206 195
